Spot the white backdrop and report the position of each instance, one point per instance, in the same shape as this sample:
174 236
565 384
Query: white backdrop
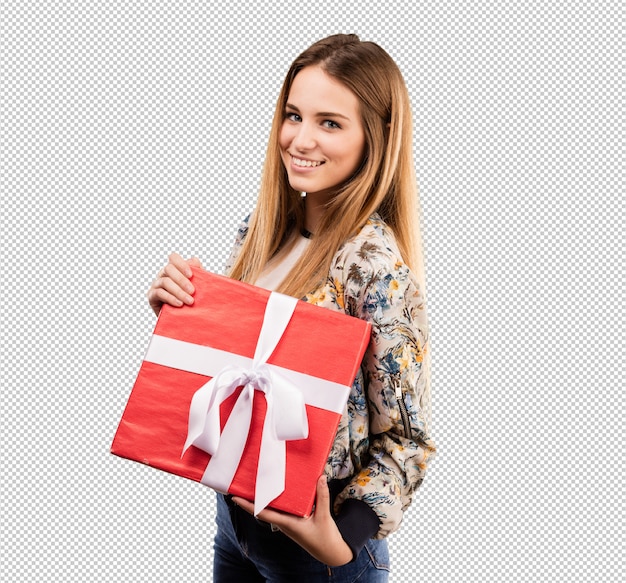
130 129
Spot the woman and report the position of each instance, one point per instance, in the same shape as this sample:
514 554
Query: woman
342 134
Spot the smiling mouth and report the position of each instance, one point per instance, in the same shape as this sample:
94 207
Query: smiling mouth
305 163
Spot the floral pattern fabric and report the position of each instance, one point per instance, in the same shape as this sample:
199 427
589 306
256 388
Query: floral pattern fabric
383 445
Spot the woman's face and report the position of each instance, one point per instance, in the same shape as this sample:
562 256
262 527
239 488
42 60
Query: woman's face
322 141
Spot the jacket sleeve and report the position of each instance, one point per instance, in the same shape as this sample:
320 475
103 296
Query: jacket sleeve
379 288
242 231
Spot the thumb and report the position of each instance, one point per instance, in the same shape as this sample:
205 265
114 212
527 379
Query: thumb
322 501
194 262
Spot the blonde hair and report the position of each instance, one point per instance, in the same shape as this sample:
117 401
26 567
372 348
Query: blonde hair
384 183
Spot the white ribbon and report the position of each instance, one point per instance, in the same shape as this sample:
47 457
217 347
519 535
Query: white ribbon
209 362
285 418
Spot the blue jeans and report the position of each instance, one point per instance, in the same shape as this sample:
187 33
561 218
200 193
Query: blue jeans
248 551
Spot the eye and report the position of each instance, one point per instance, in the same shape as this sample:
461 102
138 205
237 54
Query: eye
330 124
291 116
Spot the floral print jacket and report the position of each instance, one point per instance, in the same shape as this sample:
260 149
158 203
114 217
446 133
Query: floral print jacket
382 446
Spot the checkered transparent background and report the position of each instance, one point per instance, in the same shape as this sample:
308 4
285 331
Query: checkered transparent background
131 129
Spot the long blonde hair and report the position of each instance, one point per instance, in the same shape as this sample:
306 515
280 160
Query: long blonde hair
384 183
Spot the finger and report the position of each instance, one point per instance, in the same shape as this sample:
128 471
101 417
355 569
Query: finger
194 262
181 289
322 498
158 297
180 264
267 514
172 274
165 287
243 503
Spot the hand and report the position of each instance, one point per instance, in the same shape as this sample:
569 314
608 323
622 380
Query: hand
172 285
317 534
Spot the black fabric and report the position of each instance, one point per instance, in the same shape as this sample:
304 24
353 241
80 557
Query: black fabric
357 523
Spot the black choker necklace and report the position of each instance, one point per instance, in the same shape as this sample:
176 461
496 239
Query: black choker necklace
306 233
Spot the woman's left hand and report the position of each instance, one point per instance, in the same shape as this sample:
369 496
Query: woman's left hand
317 534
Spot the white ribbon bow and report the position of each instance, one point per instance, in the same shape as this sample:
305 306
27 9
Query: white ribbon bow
285 418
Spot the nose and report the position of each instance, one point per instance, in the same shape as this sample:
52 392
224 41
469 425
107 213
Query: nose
304 137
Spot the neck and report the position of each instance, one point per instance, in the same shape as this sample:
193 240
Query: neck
313 211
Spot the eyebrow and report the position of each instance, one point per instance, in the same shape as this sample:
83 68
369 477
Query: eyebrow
319 113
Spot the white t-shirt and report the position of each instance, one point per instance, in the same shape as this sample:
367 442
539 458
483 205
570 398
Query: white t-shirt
275 271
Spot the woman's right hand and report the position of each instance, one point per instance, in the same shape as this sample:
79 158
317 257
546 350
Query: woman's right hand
172 284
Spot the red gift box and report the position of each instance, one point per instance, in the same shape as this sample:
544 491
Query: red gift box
243 391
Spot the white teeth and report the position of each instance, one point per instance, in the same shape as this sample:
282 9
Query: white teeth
305 163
